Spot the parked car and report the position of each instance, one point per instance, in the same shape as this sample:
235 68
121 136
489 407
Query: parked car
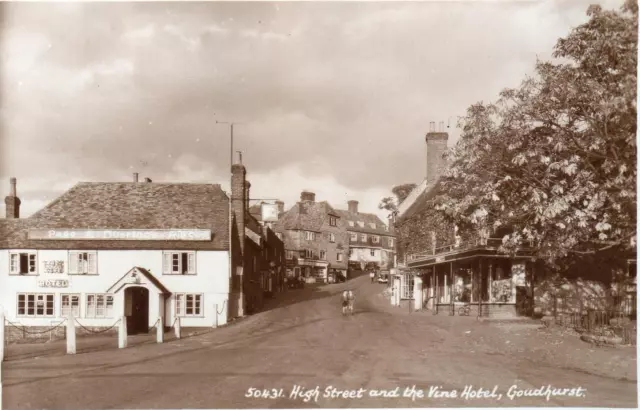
296 283
383 278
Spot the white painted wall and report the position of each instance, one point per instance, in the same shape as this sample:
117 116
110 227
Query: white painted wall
211 280
364 254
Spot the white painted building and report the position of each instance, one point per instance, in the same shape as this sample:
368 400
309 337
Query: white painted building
107 250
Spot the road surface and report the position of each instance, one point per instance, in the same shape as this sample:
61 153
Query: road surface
301 344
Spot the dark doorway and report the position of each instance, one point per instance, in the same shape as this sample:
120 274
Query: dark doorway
523 301
137 310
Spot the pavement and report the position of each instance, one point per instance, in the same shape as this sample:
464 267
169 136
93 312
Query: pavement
302 353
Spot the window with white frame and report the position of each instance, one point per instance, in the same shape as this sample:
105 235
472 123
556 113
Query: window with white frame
361 224
375 239
323 255
179 263
390 241
22 263
333 221
351 223
70 302
363 237
83 263
373 252
309 235
99 305
332 237
308 253
188 304
354 237
289 254
372 225
35 304
339 257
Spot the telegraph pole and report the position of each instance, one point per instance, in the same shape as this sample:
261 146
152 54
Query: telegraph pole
231 267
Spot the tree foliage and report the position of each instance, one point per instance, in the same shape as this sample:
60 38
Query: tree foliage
555 158
400 192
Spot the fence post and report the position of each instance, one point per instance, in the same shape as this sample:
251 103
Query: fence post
1 340
71 333
215 308
160 330
122 333
177 327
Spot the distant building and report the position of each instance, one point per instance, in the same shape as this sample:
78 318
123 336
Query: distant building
315 239
371 243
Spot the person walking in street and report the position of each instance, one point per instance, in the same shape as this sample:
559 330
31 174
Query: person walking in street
348 300
372 276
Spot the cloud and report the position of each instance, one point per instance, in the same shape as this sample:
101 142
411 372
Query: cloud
337 94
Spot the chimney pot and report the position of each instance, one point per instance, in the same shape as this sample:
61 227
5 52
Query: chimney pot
12 202
13 181
307 196
353 206
135 177
436 148
280 206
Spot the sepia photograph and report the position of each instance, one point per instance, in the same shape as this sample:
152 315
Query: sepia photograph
318 204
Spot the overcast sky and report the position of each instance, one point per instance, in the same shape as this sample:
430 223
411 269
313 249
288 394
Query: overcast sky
334 97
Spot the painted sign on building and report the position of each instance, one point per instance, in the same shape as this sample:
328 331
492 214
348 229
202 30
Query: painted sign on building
53 283
53 267
269 212
121 234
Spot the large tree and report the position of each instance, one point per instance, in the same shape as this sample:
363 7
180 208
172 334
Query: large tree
400 193
555 159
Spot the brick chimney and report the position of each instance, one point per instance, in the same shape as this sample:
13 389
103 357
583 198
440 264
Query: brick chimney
353 206
238 200
436 148
307 196
247 187
135 177
12 202
280 207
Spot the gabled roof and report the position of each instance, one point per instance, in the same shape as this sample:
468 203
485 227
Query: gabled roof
121 205
417 200
132 274
306 215
366 218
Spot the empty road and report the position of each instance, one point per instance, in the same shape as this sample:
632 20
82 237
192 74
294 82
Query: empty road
304 353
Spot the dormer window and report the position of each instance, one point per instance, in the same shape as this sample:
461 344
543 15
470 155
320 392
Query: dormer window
333 221
361 224
351 223
372 225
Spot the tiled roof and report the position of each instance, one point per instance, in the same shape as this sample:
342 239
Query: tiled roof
366 219
417 199
105 205
308 216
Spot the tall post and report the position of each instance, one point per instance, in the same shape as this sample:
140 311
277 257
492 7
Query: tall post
490 284
480 286
2 342
71 334
437 292
452 291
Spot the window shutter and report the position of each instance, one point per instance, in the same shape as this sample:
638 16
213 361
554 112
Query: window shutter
73 262
192 263
13 263
91 257
166 266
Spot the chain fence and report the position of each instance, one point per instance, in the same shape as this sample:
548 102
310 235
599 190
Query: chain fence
97 331
23 328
